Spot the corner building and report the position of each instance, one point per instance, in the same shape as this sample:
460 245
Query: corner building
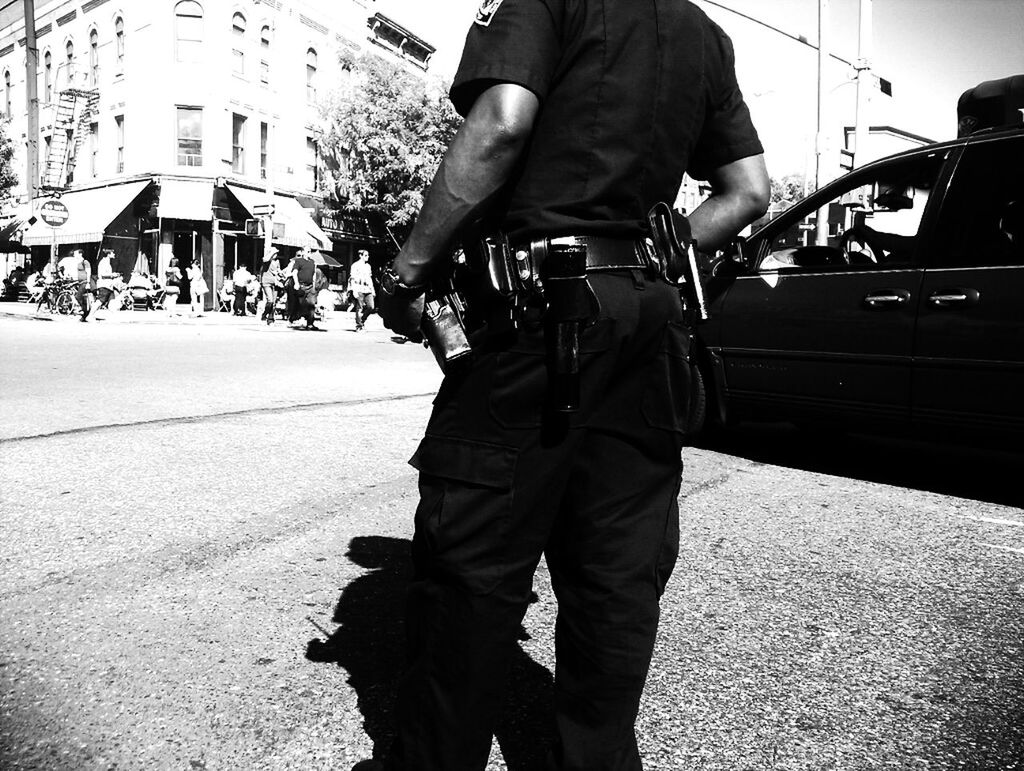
165 126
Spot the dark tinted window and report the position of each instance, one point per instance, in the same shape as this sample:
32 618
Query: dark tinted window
982 222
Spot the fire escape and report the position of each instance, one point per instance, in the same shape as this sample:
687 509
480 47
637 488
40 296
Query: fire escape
76 111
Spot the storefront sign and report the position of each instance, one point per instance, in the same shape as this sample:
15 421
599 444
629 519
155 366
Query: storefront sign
54 213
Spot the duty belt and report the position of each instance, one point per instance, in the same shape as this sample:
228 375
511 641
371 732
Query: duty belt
602 253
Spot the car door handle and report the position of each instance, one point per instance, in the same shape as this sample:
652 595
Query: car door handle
954 296
886 298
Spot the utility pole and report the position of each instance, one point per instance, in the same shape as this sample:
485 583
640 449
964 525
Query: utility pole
268 220
32 99
821 228
862 123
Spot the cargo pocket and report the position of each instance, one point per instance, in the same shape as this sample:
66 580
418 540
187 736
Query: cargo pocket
519 382
666 403
462 521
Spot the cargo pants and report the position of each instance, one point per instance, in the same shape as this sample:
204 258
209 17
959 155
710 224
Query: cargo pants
502 482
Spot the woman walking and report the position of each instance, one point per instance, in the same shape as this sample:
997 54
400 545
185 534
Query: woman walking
272 280
172 286
197 287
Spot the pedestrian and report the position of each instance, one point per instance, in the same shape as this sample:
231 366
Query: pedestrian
81 271
241 278
272 281
197 287
172 286
360 284
304 281
105 278
568 142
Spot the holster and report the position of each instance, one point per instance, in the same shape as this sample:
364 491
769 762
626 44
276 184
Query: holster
444 330
677 257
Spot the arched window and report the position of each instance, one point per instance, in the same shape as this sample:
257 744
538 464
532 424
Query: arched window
69 63
311 75
94 58
265 54
119 42
238 43
188 31
7 94
48 77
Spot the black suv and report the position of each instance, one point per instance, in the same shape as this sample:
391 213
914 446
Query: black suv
907 313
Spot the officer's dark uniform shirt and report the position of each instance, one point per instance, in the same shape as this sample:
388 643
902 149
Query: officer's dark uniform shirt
633 94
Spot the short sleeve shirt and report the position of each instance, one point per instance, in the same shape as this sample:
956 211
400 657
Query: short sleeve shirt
632 96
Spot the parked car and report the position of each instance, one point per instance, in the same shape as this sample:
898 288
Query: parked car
909 314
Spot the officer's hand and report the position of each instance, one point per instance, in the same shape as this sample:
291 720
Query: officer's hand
402 311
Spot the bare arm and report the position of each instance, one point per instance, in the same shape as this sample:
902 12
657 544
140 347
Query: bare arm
475 167
741 195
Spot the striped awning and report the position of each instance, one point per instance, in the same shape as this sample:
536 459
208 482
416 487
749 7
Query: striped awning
186 199
299 229
90 212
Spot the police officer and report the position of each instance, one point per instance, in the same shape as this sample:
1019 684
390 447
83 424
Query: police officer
580 115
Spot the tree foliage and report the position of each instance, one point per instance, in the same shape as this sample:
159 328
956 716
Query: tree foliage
787 190
8 179
385 132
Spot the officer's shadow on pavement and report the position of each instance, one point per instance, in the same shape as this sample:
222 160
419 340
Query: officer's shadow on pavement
369 644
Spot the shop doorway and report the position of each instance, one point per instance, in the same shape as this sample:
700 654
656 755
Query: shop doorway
187 248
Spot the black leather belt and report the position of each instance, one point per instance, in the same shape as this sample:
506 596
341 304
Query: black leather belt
610 253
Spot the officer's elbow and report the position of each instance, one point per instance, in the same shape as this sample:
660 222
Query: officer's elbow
755 200
502 118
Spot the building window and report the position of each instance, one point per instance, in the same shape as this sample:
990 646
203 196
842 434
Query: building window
238 50
265 54
238 144
264 139
190 136
188 30
311 76
94 148
119 43
94 58
48 77
312 164
69 56
7 94
119 124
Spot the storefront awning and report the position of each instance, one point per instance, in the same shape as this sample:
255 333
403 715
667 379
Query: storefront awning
186 199
90 212
299 228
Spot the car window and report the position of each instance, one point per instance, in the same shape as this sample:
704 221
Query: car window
873 221
982 218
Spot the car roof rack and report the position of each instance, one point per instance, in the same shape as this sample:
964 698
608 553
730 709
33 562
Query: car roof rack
992 104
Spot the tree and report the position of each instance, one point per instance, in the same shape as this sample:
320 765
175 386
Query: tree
8 179
787 191
385 134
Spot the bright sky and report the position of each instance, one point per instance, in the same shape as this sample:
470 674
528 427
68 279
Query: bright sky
931 51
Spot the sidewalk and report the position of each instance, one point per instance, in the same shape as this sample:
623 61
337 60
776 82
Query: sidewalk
336 320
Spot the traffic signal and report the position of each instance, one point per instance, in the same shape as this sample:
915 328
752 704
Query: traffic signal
254 227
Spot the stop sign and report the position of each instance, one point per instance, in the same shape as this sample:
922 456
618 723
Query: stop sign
54 213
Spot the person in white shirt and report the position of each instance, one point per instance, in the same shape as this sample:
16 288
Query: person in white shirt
241 278
105 277
360 284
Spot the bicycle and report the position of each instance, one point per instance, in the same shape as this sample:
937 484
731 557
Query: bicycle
59 297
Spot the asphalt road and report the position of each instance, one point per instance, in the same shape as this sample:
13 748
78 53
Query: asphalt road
205 534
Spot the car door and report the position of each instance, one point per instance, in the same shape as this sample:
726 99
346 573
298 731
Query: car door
826 331
969 347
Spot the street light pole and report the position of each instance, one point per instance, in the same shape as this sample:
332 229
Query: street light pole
32 103
821 228
862 123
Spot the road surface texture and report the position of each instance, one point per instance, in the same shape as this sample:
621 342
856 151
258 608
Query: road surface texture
205 535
